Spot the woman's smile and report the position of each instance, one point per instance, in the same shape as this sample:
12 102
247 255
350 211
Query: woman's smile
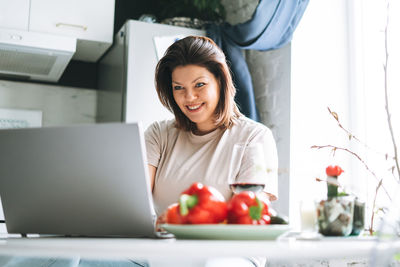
195 107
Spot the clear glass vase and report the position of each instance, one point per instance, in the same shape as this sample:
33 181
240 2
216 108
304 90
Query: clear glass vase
335 216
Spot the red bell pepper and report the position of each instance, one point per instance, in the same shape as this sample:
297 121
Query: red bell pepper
173 215
199 204
247 208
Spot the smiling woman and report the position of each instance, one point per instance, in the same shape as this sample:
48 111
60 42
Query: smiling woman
194 82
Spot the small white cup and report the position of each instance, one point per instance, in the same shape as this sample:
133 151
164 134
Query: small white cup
308 216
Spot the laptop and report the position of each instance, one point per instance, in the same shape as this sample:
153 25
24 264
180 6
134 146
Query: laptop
83 180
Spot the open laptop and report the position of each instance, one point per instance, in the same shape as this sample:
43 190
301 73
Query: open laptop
85 180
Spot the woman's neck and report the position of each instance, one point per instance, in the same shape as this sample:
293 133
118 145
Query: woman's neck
204 131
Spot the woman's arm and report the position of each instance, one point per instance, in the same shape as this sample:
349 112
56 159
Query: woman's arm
163 217
152 174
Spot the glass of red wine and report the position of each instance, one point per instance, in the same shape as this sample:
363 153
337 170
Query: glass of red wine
247 170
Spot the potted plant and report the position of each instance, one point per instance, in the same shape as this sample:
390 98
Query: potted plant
191 13
335 213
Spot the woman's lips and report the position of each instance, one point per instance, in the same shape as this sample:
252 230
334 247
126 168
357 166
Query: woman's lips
194 108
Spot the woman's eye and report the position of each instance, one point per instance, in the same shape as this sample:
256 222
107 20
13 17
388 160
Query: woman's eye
200 84
177 87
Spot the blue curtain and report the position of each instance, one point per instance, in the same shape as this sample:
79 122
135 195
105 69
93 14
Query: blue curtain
270 27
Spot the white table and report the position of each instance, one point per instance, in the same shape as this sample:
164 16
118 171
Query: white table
164 250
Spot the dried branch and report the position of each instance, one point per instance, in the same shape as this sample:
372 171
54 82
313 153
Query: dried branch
371 226
385 65
352 136
334 148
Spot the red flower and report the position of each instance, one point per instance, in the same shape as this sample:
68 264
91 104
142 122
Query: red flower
334 170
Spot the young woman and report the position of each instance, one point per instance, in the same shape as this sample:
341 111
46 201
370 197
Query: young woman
194 82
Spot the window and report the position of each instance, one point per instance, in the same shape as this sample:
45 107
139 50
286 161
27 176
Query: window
337 62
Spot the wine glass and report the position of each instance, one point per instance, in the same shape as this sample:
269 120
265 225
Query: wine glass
247 170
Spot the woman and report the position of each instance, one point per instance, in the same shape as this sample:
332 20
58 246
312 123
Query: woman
193 81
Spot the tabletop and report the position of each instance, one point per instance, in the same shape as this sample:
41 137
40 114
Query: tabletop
145 248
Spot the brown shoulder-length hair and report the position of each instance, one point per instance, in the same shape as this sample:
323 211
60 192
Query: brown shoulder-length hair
201 51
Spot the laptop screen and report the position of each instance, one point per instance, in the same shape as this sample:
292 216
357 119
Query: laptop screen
89 180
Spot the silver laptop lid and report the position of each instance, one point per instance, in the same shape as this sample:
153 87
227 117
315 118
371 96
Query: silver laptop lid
89 180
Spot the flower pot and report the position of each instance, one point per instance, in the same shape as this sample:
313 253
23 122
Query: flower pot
335 216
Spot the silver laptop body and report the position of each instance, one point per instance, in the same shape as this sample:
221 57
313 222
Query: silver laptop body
85 180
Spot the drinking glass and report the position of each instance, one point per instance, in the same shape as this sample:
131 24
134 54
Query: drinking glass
308 219
247 170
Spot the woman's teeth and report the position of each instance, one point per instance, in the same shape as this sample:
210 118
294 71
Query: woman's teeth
194 107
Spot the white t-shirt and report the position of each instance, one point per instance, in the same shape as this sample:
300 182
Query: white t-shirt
182 158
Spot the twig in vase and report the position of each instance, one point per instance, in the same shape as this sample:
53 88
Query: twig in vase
334 148
359 158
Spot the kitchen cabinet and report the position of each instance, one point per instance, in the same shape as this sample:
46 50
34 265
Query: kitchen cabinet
90 21
14 14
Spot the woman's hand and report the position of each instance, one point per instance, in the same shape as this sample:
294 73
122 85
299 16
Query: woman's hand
161 220
152 174
270 197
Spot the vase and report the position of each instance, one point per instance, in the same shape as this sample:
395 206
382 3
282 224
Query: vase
335 216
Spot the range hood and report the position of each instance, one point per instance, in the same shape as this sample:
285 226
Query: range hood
34 56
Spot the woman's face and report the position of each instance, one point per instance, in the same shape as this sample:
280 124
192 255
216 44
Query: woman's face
197 92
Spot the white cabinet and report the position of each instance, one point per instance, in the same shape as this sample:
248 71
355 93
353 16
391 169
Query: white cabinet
90 21
14 14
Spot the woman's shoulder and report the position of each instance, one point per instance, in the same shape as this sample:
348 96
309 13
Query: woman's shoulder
248 130
244 124
164 127
164 124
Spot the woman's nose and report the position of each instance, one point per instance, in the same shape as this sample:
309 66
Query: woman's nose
190 94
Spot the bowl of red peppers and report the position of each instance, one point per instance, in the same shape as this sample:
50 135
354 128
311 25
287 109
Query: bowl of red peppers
203 213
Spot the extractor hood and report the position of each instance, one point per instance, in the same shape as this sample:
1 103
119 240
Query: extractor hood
34 56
